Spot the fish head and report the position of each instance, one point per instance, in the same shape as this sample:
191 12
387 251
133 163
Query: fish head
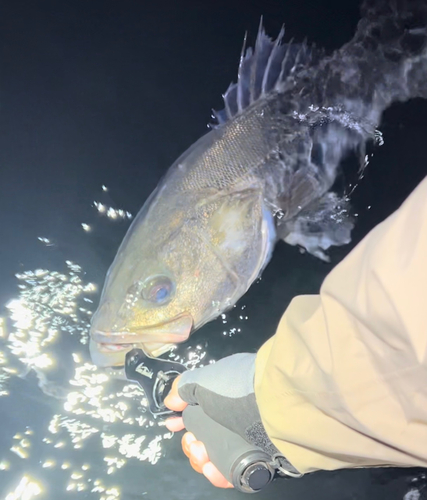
185 260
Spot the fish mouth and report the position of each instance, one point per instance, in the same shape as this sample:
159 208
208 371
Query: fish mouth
154 340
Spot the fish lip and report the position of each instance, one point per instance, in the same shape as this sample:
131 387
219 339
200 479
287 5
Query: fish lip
177 329
153 351
110 338
111 347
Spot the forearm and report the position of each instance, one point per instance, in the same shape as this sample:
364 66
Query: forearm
343 383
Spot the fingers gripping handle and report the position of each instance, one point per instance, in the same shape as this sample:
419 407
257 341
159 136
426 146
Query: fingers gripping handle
246 467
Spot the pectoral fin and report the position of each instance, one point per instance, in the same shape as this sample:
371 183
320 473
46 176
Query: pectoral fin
323 224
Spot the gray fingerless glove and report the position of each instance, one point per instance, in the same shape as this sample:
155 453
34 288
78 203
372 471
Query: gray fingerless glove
225 391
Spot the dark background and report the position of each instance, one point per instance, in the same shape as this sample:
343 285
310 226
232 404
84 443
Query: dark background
111 92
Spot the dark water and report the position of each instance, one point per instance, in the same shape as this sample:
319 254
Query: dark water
109 93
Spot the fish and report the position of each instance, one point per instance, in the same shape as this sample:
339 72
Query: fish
265 172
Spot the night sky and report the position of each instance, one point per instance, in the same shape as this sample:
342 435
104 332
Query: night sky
109 93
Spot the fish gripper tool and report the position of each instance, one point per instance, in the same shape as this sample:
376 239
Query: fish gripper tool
155 377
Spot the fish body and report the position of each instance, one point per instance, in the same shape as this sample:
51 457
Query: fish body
262 174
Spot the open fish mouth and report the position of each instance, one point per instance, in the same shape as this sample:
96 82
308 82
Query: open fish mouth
109 348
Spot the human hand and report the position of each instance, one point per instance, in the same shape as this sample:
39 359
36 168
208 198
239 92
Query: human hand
195 450
223 395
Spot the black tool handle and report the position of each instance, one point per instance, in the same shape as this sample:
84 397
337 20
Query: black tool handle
244 465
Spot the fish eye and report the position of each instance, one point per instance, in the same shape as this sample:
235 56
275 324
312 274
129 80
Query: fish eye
157 290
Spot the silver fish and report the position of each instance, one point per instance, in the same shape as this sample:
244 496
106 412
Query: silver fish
262 174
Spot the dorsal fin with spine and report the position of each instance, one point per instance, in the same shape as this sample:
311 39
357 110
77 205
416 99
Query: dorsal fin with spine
262 70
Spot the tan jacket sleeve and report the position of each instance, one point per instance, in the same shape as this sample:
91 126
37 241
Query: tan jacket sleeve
343 382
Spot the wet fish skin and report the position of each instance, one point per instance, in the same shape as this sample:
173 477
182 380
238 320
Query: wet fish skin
263 173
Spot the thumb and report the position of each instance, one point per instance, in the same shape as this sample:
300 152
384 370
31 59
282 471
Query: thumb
173 400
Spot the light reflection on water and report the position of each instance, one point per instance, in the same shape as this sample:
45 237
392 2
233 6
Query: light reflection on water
43 339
